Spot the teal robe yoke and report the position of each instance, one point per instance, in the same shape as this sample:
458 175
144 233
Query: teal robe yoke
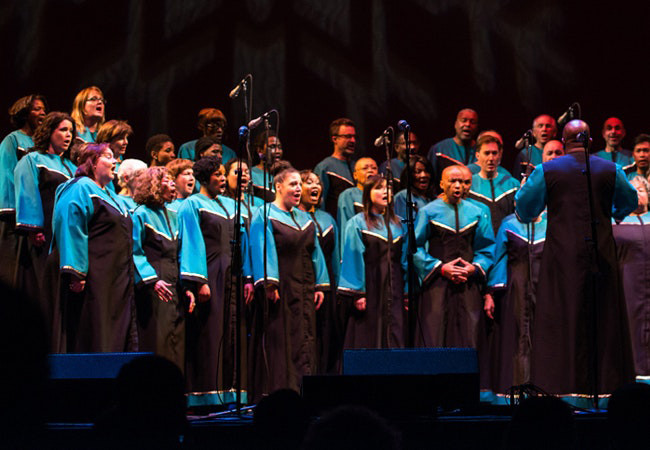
12 148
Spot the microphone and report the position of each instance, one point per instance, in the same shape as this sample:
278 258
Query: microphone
243 131
235 92
256 122
526 138
381 140
403 125
569 114
584 138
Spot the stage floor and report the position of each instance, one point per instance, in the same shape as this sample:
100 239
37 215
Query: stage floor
454 431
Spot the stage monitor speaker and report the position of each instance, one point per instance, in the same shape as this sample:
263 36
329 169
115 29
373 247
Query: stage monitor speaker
410 361
82 385
399 382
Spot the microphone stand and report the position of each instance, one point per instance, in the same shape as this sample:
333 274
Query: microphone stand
238 267
248 100
594 272
388 308
530 242
410 230
528 144
235 243
265 214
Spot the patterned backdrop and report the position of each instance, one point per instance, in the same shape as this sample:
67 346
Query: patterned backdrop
160 61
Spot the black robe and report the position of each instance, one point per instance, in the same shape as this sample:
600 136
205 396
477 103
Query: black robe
366 273
102 317
211 340
328 326
285 341
31 272
335 176
514 277
633 250
291 332
161 325
570 281
9 247
449 313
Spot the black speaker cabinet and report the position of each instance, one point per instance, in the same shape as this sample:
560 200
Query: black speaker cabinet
399 382
82 385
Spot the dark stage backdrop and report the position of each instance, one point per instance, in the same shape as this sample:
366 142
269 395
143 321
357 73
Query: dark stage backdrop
160 61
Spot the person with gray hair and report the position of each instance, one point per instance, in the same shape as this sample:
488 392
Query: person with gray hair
126 180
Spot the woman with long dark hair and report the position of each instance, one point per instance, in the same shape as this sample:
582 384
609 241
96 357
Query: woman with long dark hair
373 272
36 177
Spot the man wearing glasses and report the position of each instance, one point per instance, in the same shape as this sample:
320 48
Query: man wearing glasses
212 123
335 171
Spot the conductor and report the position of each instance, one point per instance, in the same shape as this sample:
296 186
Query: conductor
577 280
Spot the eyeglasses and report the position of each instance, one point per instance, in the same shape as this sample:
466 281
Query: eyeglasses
215 125
96 100
346 136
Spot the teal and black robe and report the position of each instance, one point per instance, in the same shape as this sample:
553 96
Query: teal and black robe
449 313
374 267
206 229
161 325
93 242
285 341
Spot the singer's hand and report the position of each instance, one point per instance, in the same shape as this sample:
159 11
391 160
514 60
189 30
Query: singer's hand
249 291
318 299
192 303
36 239
488 305
453 272
272 293
162 291
204 293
